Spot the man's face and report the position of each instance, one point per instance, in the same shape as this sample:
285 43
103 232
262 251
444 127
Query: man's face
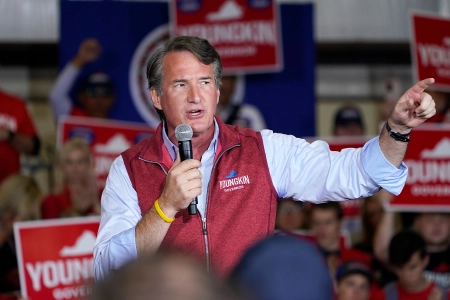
189 93
326 227
96 106
434 228
289 215
410 274
350 129
353 287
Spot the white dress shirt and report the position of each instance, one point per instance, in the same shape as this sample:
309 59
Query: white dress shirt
305 171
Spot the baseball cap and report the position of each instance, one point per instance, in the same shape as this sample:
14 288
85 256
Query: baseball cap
97 84
347 115
283 267
353 267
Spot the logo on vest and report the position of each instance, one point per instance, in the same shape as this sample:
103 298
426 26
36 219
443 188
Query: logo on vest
234 182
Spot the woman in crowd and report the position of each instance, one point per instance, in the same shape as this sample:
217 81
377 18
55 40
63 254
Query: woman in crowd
80 195
20 198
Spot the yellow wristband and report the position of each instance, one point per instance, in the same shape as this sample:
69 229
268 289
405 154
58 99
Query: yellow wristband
161 213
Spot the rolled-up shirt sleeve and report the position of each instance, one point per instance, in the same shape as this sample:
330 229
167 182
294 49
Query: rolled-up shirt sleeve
115 244
312 172
381 170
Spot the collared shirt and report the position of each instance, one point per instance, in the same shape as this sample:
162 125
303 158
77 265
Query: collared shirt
297 168
206 168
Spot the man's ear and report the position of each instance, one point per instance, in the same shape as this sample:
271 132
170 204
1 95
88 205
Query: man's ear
218 96
156 99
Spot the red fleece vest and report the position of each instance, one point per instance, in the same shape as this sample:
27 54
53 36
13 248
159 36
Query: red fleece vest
241 204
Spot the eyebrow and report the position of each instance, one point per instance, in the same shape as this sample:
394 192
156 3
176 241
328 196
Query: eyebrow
178 80
185 80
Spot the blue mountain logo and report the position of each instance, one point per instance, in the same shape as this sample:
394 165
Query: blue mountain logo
233 173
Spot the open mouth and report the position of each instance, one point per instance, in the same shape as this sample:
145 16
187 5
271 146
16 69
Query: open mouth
194 112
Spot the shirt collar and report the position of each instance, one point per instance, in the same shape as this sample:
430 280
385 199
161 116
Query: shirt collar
173 149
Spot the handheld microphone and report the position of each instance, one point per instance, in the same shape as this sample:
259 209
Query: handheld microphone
183 133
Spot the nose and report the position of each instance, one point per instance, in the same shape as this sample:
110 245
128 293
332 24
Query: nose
194 94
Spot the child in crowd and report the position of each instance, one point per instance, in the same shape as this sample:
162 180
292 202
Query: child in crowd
326 226
433 227
353 281
408 258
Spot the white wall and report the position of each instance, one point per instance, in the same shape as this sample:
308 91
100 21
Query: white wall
335 20
29 21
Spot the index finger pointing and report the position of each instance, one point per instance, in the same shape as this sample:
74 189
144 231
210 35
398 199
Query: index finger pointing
420 86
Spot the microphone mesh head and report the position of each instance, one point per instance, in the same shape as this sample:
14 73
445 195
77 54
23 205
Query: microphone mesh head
183 132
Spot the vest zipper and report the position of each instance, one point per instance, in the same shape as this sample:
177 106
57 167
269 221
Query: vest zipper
205 232
154 162
205 237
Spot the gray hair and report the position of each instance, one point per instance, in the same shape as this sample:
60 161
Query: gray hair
199 47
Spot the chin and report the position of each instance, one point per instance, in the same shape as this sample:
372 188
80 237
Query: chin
200 128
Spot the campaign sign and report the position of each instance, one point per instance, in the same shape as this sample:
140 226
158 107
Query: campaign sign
55 257
106 138
245 33
430 48
143 26
428 159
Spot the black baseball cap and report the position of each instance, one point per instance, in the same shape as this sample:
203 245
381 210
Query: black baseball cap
353 267
348 115
97 84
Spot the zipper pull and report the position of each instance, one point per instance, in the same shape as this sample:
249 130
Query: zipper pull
204 226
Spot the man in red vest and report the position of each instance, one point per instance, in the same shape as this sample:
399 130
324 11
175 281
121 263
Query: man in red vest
237 174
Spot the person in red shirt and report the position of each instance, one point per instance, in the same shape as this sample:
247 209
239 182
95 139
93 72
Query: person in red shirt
408 258
80 195
17 134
